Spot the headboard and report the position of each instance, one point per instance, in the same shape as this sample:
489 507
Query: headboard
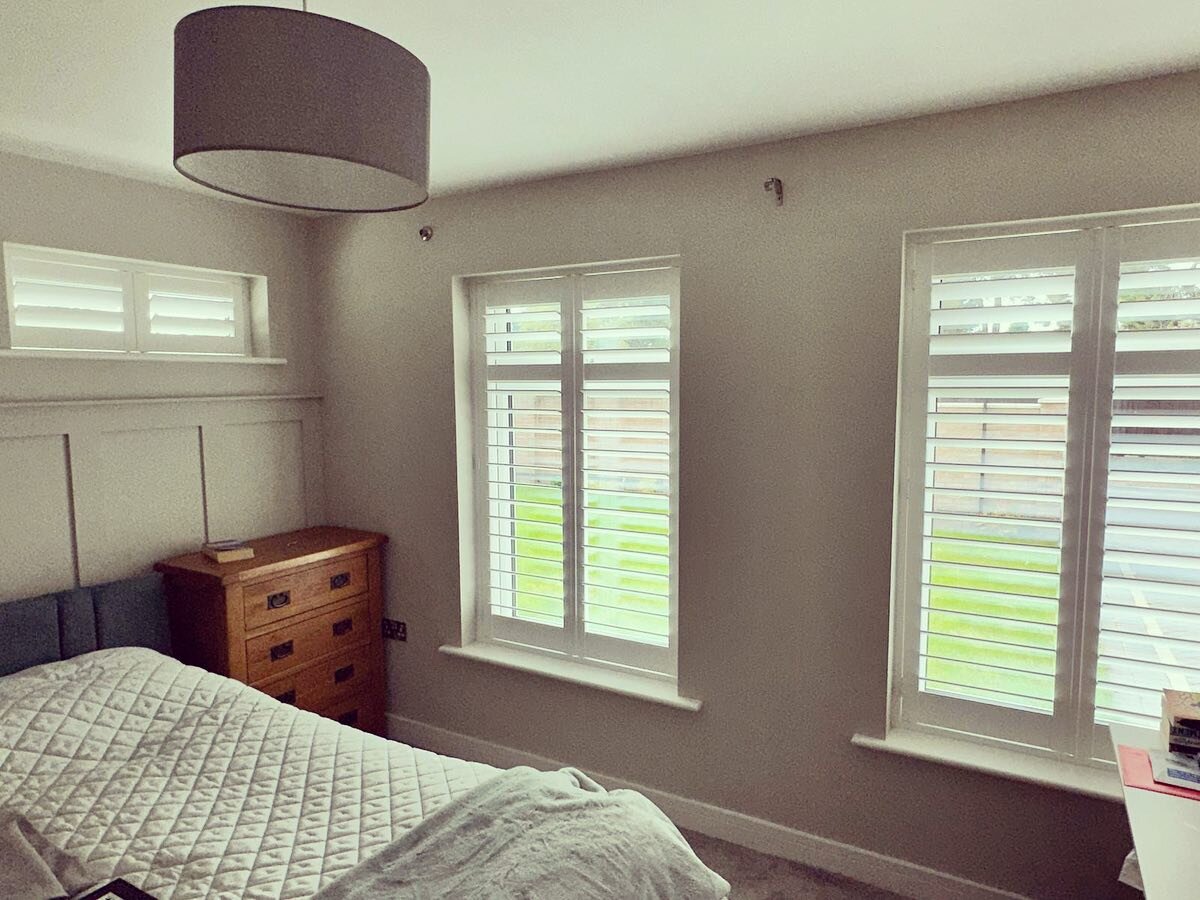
128 613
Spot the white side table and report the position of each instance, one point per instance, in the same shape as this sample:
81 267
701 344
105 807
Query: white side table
1166 829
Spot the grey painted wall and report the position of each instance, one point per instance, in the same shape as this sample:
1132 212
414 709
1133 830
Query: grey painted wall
789 331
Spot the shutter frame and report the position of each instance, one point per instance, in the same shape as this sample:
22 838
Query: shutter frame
577 638
1115 479
30 272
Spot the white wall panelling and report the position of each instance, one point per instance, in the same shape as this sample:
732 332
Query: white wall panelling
96 490
138 497
34 513
259 466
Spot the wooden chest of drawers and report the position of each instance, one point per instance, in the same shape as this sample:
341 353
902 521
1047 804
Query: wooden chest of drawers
300 621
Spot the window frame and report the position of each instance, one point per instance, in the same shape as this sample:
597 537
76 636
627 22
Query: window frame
1070 734
138 342
571 643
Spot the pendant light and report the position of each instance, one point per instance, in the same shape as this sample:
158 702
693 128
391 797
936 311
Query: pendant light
301 110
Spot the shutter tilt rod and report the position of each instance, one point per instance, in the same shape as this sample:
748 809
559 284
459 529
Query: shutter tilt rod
776 185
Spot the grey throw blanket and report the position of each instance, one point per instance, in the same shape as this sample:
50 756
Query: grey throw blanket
536 836
31 868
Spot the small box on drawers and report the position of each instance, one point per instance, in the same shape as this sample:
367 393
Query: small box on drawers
300 621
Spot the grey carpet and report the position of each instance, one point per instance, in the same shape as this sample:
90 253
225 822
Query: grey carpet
756 876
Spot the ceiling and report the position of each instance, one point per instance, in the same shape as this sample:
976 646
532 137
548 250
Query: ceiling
541 87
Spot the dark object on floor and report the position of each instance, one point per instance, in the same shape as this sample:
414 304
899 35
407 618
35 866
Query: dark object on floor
118 889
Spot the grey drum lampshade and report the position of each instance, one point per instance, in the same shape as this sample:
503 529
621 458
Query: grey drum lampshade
300 110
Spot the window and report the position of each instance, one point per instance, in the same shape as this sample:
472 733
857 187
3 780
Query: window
58 300
574 408
1047 554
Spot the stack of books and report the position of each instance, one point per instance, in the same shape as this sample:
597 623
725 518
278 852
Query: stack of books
1179 763
227 551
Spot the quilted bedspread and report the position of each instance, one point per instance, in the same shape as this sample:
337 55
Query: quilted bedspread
189 784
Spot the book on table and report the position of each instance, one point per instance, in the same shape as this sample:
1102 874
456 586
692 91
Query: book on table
227 551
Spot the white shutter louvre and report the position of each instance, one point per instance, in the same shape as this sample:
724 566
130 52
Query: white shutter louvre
59 305
1002 312
186 314
992 539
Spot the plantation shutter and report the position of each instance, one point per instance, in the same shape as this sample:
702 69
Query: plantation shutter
192 314
64 300
627 479
56 304
1149 628
987 429
577 374
1048 518
526 452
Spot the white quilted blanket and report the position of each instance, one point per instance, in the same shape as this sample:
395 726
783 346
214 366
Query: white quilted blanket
189 784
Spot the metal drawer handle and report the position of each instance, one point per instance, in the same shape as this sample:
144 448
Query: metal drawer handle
287 697
345 673
339 581
343 626
280 600
281 651
348 718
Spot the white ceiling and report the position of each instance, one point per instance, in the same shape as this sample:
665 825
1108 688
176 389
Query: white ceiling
525 89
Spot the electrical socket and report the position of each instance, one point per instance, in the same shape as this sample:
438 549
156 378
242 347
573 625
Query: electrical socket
395 630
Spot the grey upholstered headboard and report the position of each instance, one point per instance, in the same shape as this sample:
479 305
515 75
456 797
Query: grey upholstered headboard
129 613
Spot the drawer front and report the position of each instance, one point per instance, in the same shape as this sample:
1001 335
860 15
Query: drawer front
355 712
324 683
296 645
284 596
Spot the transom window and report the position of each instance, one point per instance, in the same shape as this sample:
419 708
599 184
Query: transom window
60 300
572 396
1048 503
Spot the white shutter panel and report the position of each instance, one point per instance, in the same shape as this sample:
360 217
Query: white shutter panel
986 418
57 304
526 456
192 313
627 471
1150 609
994 487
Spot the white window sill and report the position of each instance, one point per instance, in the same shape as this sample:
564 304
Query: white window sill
1104 783
629 684
141 357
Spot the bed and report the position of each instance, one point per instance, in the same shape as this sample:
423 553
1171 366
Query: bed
186 783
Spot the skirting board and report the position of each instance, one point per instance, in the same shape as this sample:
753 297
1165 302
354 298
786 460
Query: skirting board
898 875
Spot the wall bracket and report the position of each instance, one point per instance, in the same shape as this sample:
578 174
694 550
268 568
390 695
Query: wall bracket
776 185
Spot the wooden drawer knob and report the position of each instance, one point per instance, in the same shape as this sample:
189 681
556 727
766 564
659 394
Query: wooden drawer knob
342 626
281 651
279 600
339 581
287 697
348 718
345 673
